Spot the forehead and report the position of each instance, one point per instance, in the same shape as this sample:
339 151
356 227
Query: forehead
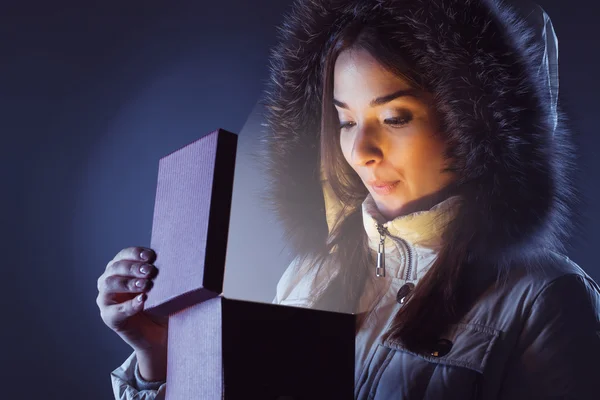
356 71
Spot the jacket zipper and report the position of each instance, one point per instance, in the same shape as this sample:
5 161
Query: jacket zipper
380 268
410 257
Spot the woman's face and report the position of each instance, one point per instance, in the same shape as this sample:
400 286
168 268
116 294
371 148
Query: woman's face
387 133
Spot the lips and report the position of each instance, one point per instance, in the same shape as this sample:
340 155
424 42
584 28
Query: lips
383 187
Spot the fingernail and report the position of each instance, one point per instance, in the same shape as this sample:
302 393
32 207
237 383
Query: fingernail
145 254
144 269
141 297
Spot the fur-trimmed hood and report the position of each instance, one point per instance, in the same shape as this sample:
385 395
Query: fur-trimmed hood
493 70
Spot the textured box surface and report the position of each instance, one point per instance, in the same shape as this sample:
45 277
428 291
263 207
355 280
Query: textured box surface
191 221
234 349
194 365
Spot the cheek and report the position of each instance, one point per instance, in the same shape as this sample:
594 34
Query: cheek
418 156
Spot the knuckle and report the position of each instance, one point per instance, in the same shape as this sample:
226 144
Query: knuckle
103 284
121 284
134 268
113 284
122 310
115 266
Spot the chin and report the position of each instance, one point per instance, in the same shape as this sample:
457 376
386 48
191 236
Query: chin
389 207
392 206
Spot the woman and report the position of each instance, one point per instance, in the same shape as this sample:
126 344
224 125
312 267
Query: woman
469 168
421 167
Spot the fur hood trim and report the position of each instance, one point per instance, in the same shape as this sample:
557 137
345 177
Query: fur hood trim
493 70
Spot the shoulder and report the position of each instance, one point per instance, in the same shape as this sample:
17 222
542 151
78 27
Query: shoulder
568 291
551 286
303 280
543 272
556 273
546 286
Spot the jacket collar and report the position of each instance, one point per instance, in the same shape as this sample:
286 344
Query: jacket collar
418 229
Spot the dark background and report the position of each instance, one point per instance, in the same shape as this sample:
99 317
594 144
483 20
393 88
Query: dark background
92 97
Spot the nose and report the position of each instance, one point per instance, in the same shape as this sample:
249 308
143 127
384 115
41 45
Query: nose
366 148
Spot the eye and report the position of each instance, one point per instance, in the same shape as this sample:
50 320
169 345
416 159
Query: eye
346 124
400 121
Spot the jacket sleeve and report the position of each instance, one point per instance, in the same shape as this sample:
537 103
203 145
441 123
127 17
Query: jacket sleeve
127 383
558 352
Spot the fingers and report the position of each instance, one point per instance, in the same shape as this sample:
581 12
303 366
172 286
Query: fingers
137 269
126 275
115 316
122 287
140 254
113 284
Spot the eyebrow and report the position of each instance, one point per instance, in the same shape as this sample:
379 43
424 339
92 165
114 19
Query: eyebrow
383 99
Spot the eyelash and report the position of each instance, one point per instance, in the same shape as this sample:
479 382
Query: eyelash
403 121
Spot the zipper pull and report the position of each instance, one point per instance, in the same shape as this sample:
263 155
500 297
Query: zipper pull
380 269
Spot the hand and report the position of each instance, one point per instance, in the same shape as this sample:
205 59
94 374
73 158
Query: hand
127 277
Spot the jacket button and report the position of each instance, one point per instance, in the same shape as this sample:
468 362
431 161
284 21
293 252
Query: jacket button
404 291
441 348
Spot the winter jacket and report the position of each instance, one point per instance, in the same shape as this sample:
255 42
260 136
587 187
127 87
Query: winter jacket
536 333
529 338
